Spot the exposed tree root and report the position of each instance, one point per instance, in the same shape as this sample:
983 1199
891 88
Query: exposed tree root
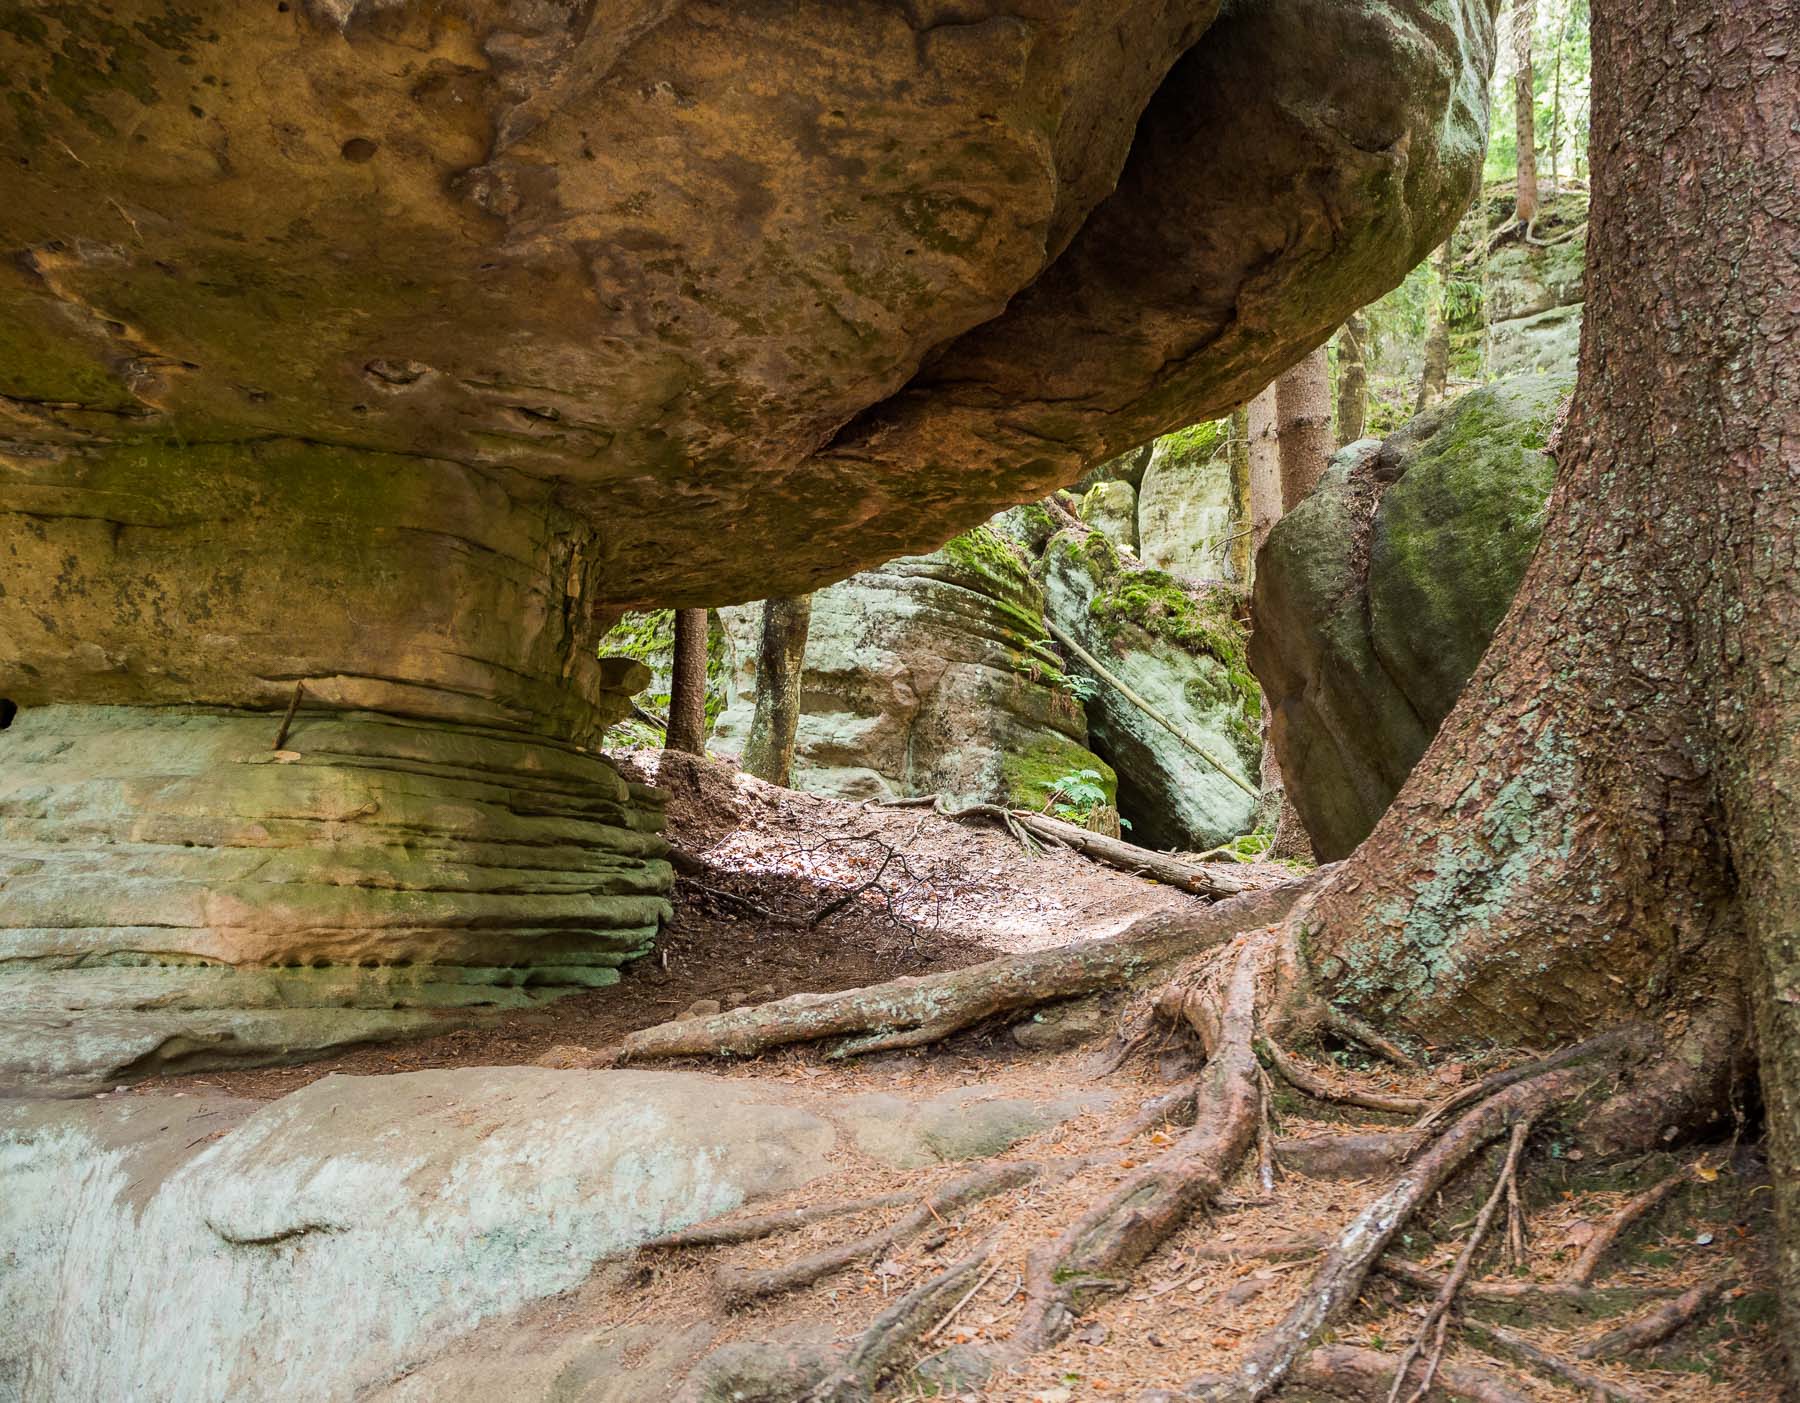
914 1010
1521 1293
1437 1318
725 1234
1657 1325
1344 1371
739 1285
1587 1265
1297 1075
1550 1364
1339 1278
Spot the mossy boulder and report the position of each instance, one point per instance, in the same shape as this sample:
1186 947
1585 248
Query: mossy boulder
1533 291
932 674
1180 647
1376 597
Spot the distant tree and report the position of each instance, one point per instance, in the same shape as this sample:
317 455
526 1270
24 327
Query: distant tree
1353 378
1264 455
780 668
1241 552
1434 378
1303 426
687 686
1524 109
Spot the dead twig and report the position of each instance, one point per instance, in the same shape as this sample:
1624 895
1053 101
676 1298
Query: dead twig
287 719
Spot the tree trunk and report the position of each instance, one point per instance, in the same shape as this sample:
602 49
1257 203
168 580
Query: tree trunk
1242 550
1524 105
687 687
1607 828
1264 455
1434 379
1303 426
780 669
1353 379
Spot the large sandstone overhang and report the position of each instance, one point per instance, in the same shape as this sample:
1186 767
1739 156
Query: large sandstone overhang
768 292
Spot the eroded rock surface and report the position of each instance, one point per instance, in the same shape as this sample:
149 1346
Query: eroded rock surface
393 349
1180 648
1377 595
1186 507
930 675
332 1244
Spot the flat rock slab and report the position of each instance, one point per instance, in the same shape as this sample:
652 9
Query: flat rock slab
337 1240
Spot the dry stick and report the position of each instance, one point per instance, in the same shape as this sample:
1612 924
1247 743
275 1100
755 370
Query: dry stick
1551 1365
1437 1317
1105 675
1345 1370
1301 1079
934 1006
956 1309
1335 1285
1655 1326
287 718
1587 1265
739 1285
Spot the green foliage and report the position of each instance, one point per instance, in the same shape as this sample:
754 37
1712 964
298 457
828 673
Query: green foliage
1561 73
1075 796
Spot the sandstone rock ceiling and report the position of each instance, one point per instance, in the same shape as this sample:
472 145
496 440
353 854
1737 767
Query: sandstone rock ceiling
764 292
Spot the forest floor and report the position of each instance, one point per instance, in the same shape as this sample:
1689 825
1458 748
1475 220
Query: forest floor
766 917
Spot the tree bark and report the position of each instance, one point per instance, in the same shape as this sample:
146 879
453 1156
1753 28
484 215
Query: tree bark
1434 379
687 686
1303 426
1607 827
1264 455
1353 379
1524 105
1241 555
780 670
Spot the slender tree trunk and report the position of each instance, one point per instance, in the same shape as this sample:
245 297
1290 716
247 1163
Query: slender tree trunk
1607 828
1353 379
1555 144
1434 379
780 670
1242 552
1524 104
1264 455
687 687
1303 426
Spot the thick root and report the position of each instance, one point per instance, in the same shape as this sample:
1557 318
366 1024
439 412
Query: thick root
1655 1326
1339 1279
1302 1078
1587 1265
1344 1371
914 1010
1550 1364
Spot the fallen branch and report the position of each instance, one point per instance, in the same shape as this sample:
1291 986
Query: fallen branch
925 1008
1587 1265
1106 675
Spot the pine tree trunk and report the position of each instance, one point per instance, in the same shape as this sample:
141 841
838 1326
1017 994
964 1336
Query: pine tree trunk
1524 105
1242 549
1264 454
780 669
687 687
1353 379
1607 827
1434 379
1303 426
